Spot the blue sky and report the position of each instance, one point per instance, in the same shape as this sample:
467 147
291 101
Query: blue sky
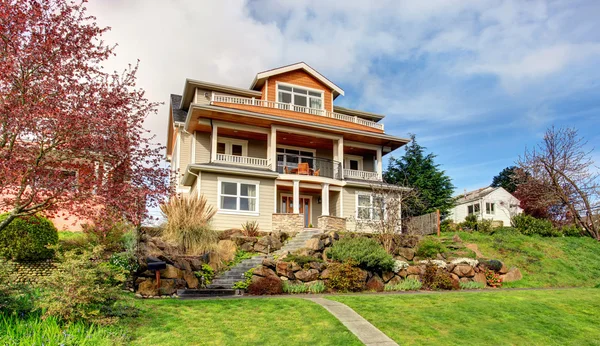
476 81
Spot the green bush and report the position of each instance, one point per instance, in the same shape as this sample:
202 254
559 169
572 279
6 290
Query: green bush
292 288
493 264
110 235
15 299
571 231
83 288
404 285
25 239
244 284
366 252
529 225
435 278
346 277
317 287
471 285
470 222
301 260
430 248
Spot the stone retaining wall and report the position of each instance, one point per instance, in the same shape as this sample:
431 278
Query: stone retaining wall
31 272
288 222
332 223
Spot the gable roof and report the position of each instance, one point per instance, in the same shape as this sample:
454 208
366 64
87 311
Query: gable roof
475 194
179 114
260 78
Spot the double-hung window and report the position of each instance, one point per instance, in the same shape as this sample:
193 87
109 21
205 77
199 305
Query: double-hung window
232 146
239 196
489 208
301 97
473 209
369 207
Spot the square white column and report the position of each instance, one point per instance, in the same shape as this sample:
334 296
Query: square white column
272 148
379 163
296 198
325 199
213 143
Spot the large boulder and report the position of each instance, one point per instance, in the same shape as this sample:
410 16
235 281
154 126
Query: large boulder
387 276
227 250
315 244
190 279
414 270
407 253
147 288
307 275
504 269
325 274
285 269
318 265
514 274
183 264
263 271
171 272
463 270
196 264
269 263
480 277
406 240
240 239
248 247
395 280
267 244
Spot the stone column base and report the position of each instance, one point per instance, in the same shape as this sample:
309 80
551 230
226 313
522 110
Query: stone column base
288 222
332 223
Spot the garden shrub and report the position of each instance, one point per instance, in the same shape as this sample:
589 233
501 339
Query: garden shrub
301 260
83 288
571 231
471 285
250 229
317 287
366 252
26 239
207 274
435 278
107 234
346 277
244 284
399 265
493 279
375 286
470 223
493 264
405 285
125 261
266 286
529 225
188 224
293 288
430 248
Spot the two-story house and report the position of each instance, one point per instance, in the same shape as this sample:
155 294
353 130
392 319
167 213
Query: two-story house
279 152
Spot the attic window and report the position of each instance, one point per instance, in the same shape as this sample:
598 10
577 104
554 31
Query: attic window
302 97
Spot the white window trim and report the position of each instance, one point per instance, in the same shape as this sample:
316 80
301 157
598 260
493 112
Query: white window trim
289 195
238 182
493 208
307 96
231 141
371 208
347 159
474 212
314 151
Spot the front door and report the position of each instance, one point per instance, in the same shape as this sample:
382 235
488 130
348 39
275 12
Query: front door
287 206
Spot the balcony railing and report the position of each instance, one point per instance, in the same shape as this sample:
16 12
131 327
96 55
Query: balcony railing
242 160
308 165
363 175
288 106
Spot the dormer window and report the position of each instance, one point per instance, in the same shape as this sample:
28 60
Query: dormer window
301 97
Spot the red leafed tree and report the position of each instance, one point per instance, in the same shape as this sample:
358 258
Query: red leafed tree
71 135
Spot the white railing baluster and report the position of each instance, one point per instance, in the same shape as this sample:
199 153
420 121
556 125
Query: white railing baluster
242 160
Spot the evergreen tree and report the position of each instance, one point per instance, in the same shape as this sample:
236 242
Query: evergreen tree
507 179
418 170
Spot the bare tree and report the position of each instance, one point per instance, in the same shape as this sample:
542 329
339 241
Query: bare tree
563 169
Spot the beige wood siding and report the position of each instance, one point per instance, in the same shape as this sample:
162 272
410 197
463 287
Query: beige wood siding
202 147
185 157
202 96
368 163
334 203
350 194
325 153
209 188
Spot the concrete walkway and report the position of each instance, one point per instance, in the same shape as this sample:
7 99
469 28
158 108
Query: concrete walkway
365 331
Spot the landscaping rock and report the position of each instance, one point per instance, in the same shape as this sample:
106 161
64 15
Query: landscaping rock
190 279
183 264
248 247
395 280
402 273
284 269
269 263
504 269
450 267
267 244
456 239
167 287
307 275
264 272
464 280
304 252
387 276
454 276
171 272
196 264
514 274
325 274
407 253
226 249
318 265
480 277
239 240
413 270
405 240
412 276
315 244
147 288
464 270
327 241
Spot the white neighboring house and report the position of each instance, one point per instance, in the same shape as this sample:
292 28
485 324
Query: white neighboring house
489 203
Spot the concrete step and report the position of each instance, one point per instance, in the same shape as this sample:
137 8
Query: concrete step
205 292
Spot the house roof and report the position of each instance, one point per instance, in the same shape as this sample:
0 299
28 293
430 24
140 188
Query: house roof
260 78
475 194
179 114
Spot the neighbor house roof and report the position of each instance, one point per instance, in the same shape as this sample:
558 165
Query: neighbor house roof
475 194
179 114
260 78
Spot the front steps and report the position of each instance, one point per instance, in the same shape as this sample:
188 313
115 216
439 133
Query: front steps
227 279
205 293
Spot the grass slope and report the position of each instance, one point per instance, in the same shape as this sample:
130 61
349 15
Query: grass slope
544 262
540 317
284 321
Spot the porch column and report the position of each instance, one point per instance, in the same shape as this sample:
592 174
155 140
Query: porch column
379 163
296 198
325 199
272 148
340 155
213 143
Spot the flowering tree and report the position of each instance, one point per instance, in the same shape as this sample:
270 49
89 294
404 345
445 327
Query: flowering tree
71 135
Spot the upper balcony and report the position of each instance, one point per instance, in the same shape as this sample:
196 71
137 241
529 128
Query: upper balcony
245 101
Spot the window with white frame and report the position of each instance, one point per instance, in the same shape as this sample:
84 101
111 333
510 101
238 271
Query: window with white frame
354 162
369 207
238 196
232 146
298 96
473 209
489 208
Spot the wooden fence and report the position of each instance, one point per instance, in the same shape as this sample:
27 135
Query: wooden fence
422 224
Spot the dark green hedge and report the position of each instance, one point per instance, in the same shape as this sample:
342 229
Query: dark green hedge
25 239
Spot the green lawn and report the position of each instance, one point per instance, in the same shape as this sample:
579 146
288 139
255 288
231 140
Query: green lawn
545 317
544 262
279 321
